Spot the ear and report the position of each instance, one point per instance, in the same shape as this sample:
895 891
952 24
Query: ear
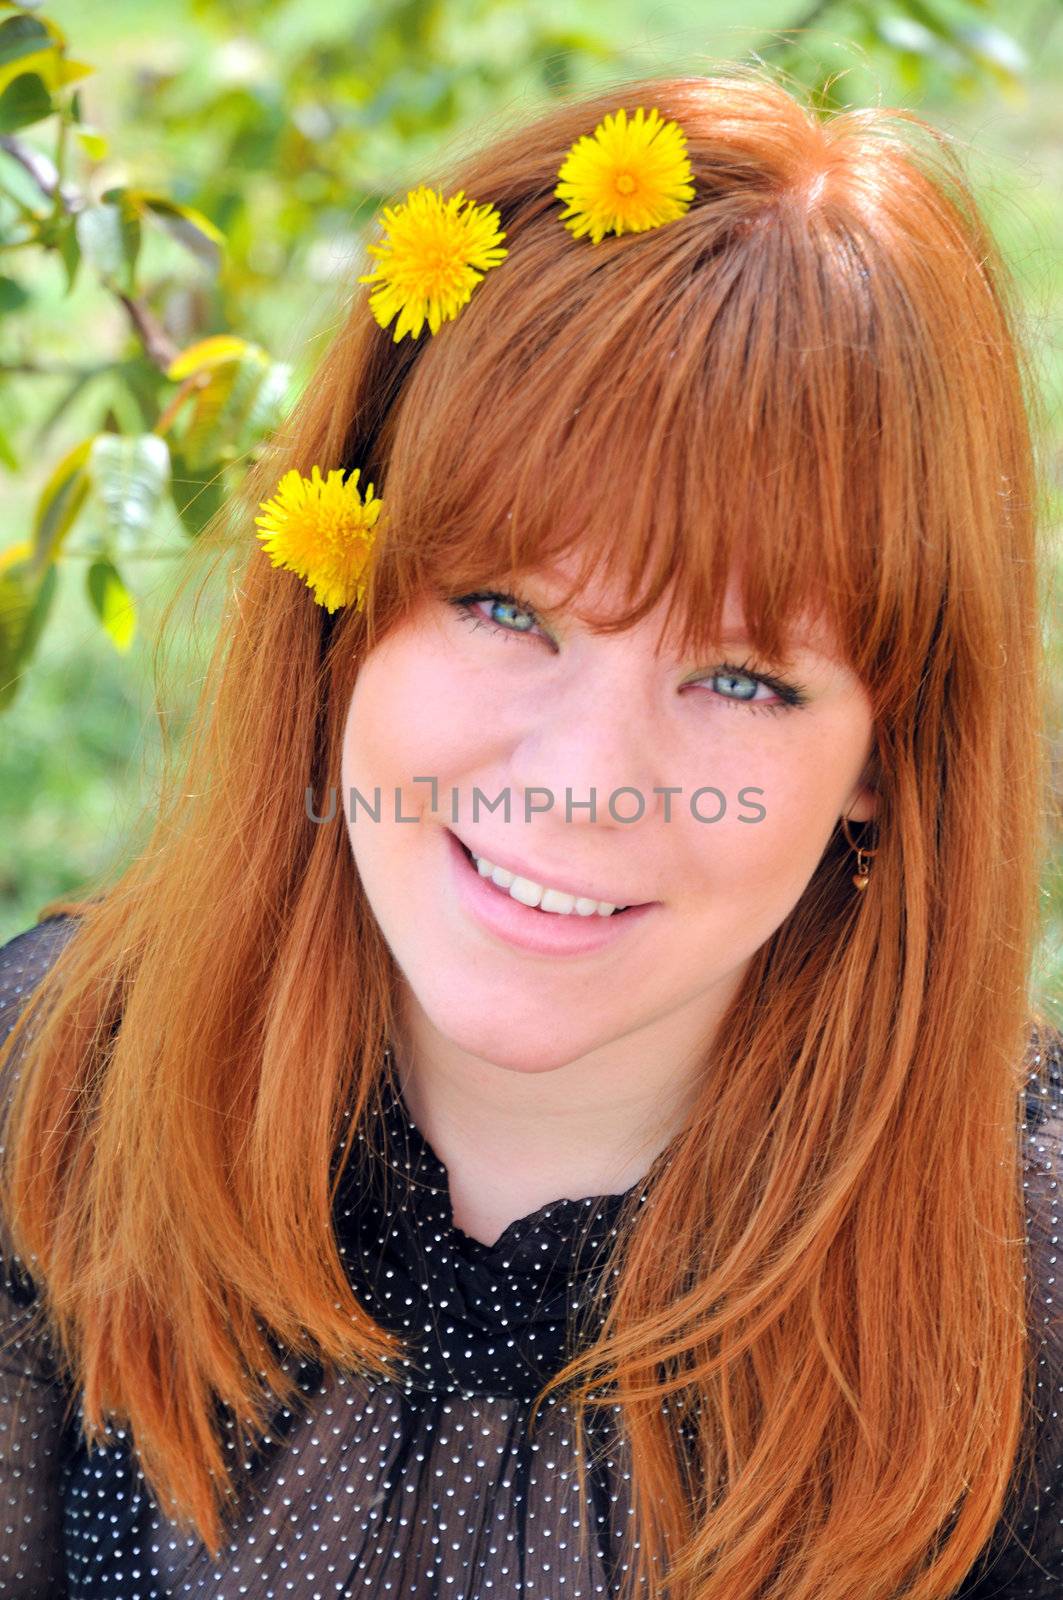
862 804
863 799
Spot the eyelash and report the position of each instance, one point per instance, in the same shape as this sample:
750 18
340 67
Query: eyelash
791 695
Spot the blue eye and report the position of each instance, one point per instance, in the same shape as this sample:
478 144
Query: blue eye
790 695
516 616
507 604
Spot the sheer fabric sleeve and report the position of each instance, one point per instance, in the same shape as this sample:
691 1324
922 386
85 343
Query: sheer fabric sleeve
1024 1560
32 1399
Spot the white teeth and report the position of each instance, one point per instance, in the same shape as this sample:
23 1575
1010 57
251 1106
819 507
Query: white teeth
530 893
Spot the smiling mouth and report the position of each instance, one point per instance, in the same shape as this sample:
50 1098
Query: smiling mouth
618 911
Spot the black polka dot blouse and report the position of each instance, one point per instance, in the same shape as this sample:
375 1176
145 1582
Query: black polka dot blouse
427 1487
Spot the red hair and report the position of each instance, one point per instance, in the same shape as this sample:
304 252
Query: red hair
811 377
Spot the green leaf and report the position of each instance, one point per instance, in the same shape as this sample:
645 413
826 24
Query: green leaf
57 71
242 401
1001 55
129 477
22 36
203 440
93 143
255 413
189 227
198 492
60 501
24 606
7 452
42 600
12 296
914 39
218 350
112 603
929 18
16 600
109 237
28 45
69 251
23 102
961 49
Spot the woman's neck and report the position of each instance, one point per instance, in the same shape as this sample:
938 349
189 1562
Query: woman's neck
513 1140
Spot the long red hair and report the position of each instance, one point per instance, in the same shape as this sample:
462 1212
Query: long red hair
812 376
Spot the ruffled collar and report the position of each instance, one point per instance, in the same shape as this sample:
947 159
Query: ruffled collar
482 1319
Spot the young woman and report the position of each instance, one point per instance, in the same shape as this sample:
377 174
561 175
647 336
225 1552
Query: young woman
556 1106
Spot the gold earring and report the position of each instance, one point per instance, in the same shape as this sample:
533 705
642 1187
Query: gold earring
862 875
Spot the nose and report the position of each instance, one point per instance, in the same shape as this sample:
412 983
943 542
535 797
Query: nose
596 736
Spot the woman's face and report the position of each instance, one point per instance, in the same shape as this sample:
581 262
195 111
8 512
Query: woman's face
715 791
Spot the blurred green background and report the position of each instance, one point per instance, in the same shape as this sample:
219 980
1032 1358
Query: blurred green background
184 187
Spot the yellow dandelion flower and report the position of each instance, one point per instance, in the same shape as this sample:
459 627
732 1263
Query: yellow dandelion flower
322 530
626 176
435 253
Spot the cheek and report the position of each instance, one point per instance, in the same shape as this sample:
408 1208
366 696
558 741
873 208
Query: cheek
386 743
782 806
403 710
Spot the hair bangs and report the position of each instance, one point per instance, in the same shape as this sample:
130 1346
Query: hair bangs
681 415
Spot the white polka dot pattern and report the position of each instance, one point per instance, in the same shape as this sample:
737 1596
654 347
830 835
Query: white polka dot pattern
428 1486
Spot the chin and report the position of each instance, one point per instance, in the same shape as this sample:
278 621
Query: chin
529 1052
529 1061
529 1045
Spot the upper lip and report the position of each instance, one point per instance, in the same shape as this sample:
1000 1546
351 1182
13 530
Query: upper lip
549 879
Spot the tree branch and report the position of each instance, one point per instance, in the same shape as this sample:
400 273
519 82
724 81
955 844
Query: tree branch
44 173
56 369
158 346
